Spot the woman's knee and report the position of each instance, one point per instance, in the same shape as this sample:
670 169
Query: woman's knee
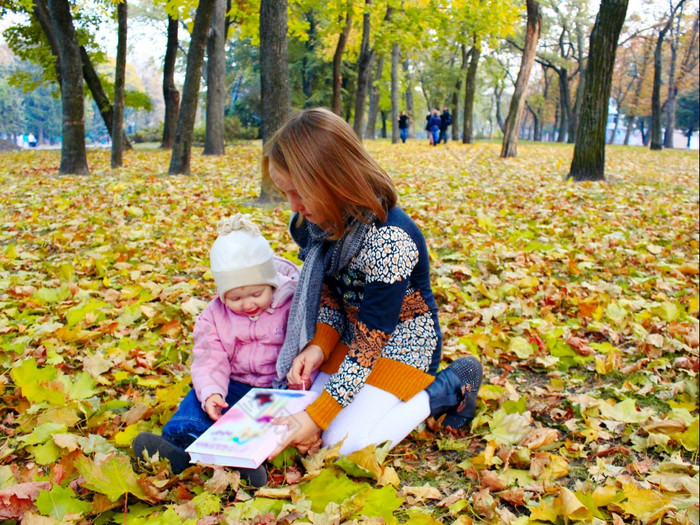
352 441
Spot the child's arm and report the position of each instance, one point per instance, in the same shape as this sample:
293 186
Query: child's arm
211 368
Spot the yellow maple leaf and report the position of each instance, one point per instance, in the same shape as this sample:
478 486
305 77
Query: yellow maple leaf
644 504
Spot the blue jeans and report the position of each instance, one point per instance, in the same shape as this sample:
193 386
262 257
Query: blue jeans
404 134
443 136
190 421
434 133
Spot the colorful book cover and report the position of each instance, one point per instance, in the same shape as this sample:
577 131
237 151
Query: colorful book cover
244 436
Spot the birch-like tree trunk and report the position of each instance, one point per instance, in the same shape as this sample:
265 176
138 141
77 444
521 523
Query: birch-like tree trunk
509 147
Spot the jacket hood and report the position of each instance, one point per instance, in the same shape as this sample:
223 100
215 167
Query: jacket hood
288 275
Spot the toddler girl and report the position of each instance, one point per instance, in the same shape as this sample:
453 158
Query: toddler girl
237 339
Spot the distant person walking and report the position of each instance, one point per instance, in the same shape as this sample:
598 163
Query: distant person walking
445 122
403 126
433 126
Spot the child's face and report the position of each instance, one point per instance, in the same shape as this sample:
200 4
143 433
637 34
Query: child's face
249 300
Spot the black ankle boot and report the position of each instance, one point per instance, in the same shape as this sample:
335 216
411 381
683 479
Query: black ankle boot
454 392
152 443
257 477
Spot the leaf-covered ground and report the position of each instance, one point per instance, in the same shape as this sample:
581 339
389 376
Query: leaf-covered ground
581 300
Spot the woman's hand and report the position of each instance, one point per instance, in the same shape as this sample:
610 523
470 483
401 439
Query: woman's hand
302 432
306 363
214 405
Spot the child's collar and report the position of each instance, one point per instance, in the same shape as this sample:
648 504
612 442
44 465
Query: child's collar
255 317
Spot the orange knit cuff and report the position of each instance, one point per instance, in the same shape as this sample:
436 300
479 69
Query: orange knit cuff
324 410
404 381
326 337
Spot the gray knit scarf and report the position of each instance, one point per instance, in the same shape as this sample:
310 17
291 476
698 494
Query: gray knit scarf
321 257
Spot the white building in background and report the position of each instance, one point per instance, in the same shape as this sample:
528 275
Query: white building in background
680 140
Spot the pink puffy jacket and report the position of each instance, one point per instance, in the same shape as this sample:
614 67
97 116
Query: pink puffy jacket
231 346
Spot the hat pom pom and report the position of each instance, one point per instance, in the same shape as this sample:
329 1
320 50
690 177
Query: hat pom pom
239 221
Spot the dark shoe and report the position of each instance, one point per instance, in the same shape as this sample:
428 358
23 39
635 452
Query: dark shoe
153 443
454 392
256 477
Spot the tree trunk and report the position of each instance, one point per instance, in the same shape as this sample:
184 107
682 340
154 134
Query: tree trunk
308 70
611 138
497 95
216 81
275 93
104 106
655 132
646 136
395 56
576 110
589 151
640 76
41 12
656 138
408 79
338 59
672 92
536 126
455 110
171 95
628 131
117 157
509 147
89 75
374 100
374 89
73 154
364 69
564 103
456 92
182 146
469 88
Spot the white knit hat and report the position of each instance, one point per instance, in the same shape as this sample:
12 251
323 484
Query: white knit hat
241 256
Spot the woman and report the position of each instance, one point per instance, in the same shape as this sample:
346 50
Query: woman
364 320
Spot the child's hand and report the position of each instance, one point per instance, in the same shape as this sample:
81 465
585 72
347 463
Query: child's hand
305 364
214 405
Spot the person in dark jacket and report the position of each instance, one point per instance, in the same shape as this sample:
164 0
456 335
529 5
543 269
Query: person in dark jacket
433 126
403 126
445 122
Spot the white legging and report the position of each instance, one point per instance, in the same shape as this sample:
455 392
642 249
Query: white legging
373 417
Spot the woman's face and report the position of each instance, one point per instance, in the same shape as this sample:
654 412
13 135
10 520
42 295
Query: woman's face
298 202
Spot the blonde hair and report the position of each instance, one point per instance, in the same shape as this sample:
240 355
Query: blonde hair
329 166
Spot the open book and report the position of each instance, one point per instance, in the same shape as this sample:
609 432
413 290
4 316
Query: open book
244 436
